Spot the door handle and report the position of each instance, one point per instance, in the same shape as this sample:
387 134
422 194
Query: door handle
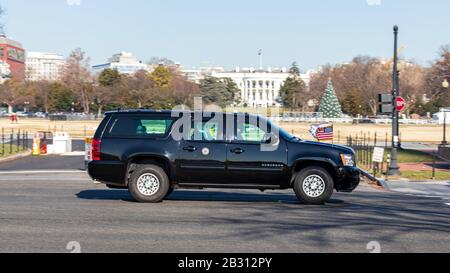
237 151
190 149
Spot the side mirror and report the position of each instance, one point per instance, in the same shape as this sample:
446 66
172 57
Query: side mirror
272 139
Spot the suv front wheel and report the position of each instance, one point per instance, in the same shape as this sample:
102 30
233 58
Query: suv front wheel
314 186
149 184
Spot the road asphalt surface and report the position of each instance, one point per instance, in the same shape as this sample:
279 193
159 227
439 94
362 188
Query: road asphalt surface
49 211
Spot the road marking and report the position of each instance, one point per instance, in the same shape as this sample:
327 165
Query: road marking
43 172
448 204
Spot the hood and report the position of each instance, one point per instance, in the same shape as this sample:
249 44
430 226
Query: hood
340 148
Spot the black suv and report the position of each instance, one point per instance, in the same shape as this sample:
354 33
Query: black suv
151 153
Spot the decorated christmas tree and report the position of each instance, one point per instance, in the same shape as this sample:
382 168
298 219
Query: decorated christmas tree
330 106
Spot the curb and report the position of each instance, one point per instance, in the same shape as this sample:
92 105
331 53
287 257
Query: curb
378 182
15 157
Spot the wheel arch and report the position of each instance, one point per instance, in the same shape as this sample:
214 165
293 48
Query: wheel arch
148 159
304 163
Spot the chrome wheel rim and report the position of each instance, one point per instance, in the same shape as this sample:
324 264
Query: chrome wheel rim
148 184
314 186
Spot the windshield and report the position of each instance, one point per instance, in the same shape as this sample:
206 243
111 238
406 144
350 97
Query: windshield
283 133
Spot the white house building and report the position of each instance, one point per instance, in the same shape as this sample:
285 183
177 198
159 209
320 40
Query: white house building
43 66
259 88
124 62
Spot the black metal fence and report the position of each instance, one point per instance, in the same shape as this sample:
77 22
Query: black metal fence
13 142
364 145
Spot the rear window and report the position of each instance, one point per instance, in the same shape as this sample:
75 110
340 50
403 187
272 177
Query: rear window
101 127
140 127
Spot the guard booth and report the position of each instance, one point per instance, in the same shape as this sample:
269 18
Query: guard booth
62 143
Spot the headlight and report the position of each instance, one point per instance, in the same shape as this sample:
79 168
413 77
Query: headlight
348 160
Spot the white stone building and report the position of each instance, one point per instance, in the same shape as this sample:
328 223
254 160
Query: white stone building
196 75
124 62
259 88
43 66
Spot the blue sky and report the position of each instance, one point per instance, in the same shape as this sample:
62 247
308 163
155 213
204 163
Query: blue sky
229 33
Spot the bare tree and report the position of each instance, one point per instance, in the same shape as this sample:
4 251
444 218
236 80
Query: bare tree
139 88
439 71
2 25
14 93
359 82
41 91
76 75
183 91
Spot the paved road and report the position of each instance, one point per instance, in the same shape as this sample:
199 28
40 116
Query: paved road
48 162
43 212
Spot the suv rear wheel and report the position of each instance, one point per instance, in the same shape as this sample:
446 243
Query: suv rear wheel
149 184
313 186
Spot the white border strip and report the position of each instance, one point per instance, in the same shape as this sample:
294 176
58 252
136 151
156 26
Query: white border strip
42 172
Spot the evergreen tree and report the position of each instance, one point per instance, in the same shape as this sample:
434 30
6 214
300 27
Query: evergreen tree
293 90
217 91
109 77
162 76
294 70
330 106
233 90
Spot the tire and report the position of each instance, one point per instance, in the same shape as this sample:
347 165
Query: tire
171 190
314 186
149 184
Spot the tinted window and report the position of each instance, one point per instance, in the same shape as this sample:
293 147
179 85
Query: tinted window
101 127
140 127
251 130
206 131
250 133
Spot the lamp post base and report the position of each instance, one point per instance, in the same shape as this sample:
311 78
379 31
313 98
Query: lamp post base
394 171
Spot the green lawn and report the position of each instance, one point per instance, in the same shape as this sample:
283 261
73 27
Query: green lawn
412 156
6 152
425 175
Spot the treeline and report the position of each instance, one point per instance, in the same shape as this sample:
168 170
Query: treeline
357 85
359 82
80 91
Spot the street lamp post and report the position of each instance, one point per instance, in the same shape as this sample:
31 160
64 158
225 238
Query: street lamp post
394 169
445 84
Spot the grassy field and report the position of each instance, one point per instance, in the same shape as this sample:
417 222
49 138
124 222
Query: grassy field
77 129
425 175
81 129
411 156
409 133
7 152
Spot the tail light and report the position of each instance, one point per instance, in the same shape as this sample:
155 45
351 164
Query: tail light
96 143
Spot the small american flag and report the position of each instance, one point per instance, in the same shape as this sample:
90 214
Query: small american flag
323 132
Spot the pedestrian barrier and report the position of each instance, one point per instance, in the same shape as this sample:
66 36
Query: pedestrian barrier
36 146
44 137
88 151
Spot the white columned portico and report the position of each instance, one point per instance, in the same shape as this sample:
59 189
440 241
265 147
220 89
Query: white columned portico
258 88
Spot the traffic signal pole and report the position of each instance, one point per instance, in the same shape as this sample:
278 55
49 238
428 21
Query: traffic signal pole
394 169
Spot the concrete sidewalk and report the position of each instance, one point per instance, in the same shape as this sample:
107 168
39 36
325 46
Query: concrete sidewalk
439 189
